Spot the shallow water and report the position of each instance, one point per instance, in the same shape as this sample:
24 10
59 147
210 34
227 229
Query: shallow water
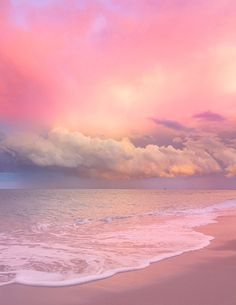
63 237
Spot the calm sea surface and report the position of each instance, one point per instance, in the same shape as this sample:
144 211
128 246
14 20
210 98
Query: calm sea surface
64 237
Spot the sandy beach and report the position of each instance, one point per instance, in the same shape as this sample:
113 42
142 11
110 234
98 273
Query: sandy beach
203 277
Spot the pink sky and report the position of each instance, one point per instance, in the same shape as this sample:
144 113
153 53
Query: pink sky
115 69
107 66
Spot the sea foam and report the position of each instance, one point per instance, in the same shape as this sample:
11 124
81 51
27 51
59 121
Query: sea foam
90 249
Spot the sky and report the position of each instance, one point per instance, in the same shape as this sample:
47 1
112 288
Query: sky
109 93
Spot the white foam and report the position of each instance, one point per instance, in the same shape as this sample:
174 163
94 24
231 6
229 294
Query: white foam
110 219
83 254
82 221
35 278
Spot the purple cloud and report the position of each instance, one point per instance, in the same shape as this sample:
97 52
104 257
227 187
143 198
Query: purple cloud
171 124
209 116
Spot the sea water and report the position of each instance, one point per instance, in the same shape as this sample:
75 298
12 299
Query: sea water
65 237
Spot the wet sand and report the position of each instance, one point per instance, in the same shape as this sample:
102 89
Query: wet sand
202 277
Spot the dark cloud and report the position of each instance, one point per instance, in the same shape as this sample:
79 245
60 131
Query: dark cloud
209 116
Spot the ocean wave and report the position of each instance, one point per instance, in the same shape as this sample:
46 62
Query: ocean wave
53 279
68 254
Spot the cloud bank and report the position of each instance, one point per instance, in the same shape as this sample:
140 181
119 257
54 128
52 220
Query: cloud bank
120 159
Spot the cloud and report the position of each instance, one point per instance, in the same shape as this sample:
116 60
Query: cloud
171 124
223 153
108 158
209 116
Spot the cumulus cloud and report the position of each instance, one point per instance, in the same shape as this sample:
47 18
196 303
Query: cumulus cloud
109 158
223 153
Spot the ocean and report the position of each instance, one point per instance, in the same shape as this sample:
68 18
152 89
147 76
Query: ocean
67 237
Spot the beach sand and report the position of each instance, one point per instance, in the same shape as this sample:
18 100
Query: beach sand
202 277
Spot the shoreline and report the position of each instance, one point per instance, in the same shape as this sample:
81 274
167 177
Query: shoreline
202 277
